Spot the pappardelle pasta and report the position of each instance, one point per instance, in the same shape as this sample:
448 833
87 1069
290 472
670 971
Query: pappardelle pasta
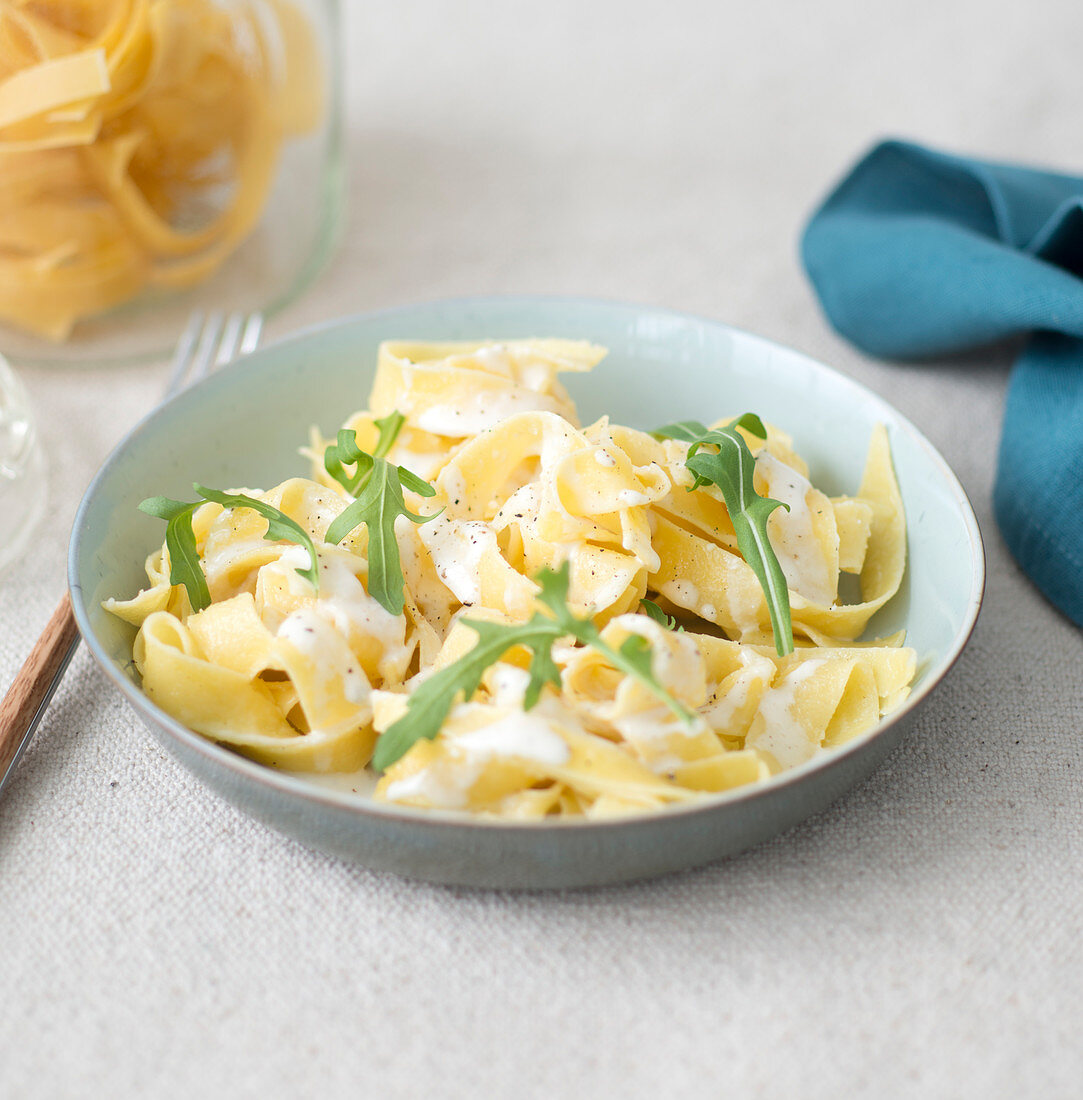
510 614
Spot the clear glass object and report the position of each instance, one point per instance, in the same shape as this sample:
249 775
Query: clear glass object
236 139
22 468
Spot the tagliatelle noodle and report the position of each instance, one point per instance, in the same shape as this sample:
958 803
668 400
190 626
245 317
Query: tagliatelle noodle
122 125
308 680
456 390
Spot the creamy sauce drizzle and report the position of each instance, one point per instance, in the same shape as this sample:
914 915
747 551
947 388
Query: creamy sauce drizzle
520 735
792 535
457 548
782 734
479 411
447 783
336 668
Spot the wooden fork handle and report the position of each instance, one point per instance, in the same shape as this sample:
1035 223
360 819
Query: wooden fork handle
34 684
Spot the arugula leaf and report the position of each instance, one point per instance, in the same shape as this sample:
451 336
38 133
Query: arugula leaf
729 465
653 611
378 505
279 526
430 703
377 486
345 452
687 431
389 426
180 541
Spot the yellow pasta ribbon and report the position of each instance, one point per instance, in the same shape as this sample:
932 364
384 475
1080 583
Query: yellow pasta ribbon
121 125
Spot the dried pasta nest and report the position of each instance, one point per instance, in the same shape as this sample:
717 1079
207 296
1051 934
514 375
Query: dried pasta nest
138 144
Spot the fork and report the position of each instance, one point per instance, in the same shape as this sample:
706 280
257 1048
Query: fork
206 344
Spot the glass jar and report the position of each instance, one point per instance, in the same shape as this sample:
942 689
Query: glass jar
22 468
157 158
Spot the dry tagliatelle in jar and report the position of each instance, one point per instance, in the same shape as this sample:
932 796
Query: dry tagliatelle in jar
139 141
488 607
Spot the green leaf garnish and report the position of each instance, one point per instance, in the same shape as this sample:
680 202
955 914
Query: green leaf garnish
389 426
653 611
379 504
377 486
345 452
430 703
180 541
688 431
730 467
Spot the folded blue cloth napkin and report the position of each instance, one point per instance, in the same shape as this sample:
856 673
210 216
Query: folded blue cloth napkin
917 253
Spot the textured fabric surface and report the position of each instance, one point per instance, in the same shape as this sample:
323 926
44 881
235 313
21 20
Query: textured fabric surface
920 938
920 253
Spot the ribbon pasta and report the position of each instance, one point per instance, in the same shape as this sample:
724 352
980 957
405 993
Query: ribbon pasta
138 144
307 680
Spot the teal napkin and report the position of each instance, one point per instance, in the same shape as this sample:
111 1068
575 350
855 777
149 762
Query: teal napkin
918 253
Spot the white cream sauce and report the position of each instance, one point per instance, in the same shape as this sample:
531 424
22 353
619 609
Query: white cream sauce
286 566
494 359
682 593
443 787
447 782
426 464
453 485
480 410
792 535
315 638
321 630
658 724
345 603
457 548
416 570
782 734
536 376
521 735
507 684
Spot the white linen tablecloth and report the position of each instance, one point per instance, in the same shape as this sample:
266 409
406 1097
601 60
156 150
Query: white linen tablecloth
920 938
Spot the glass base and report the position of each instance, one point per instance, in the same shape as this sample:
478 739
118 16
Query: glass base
22 469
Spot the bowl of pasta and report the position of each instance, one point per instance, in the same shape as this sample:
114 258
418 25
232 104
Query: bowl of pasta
527 592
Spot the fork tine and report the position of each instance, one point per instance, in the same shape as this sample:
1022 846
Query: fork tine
208 346
211 341
182 357
230 338
252 330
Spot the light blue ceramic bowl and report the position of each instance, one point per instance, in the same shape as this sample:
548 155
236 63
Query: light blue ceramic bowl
243 426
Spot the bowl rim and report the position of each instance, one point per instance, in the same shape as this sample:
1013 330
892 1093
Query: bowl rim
292 786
